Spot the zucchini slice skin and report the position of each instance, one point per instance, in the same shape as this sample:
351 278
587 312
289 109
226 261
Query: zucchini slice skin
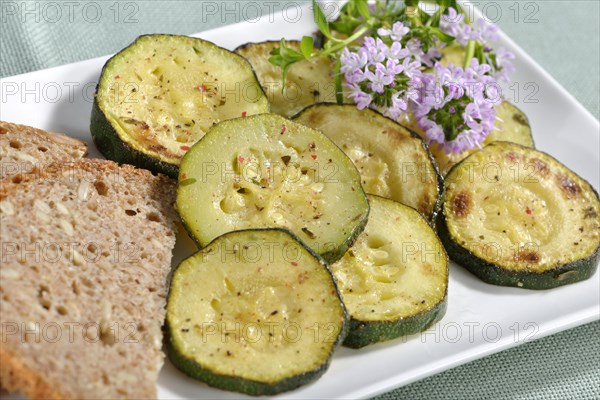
394 280
394 162
265 171
159 95
222 291
308 81
543 233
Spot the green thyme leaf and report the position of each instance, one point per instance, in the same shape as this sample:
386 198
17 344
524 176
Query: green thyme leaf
345 25
306 46
321 20
363 9
444 37
284 57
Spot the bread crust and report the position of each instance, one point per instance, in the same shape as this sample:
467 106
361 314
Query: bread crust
17 378
87 165
25 148
58 138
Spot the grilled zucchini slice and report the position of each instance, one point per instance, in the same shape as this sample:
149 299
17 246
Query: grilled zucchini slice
160 95
393 162
308 81
394 279
255 312
515 216
266 171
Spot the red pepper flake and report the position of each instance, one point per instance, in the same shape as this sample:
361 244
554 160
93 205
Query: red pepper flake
283 129
314 156
118 77
184 176
244 114
202 88
241 159
294 264
528 211
511 156
185 148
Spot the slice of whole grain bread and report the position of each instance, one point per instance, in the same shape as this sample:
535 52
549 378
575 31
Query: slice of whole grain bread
86 251
23 148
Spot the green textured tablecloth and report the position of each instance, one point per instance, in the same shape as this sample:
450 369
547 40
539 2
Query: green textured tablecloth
561 36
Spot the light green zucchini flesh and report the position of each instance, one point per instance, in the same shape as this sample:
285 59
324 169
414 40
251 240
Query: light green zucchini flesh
160 95
255 312
267 171
394 279
308 81
515 216
393 161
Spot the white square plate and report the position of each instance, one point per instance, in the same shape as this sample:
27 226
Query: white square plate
481 319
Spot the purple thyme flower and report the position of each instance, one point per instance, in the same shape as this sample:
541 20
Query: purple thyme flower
379 78
397 52
483 32
414 47
382 76
486 32
454 25
452 22
353 61
396 33
504 63
375 50
362 99
411 68
453 109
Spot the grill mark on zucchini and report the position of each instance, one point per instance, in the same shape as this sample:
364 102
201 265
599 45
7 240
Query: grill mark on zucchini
536 226
520 119
568 187
461 205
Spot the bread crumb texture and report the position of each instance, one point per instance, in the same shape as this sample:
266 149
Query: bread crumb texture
86 253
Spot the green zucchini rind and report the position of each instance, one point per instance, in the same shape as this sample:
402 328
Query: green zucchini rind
256 312
393 161
394 279
267 171
159 96
308 81
514 216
